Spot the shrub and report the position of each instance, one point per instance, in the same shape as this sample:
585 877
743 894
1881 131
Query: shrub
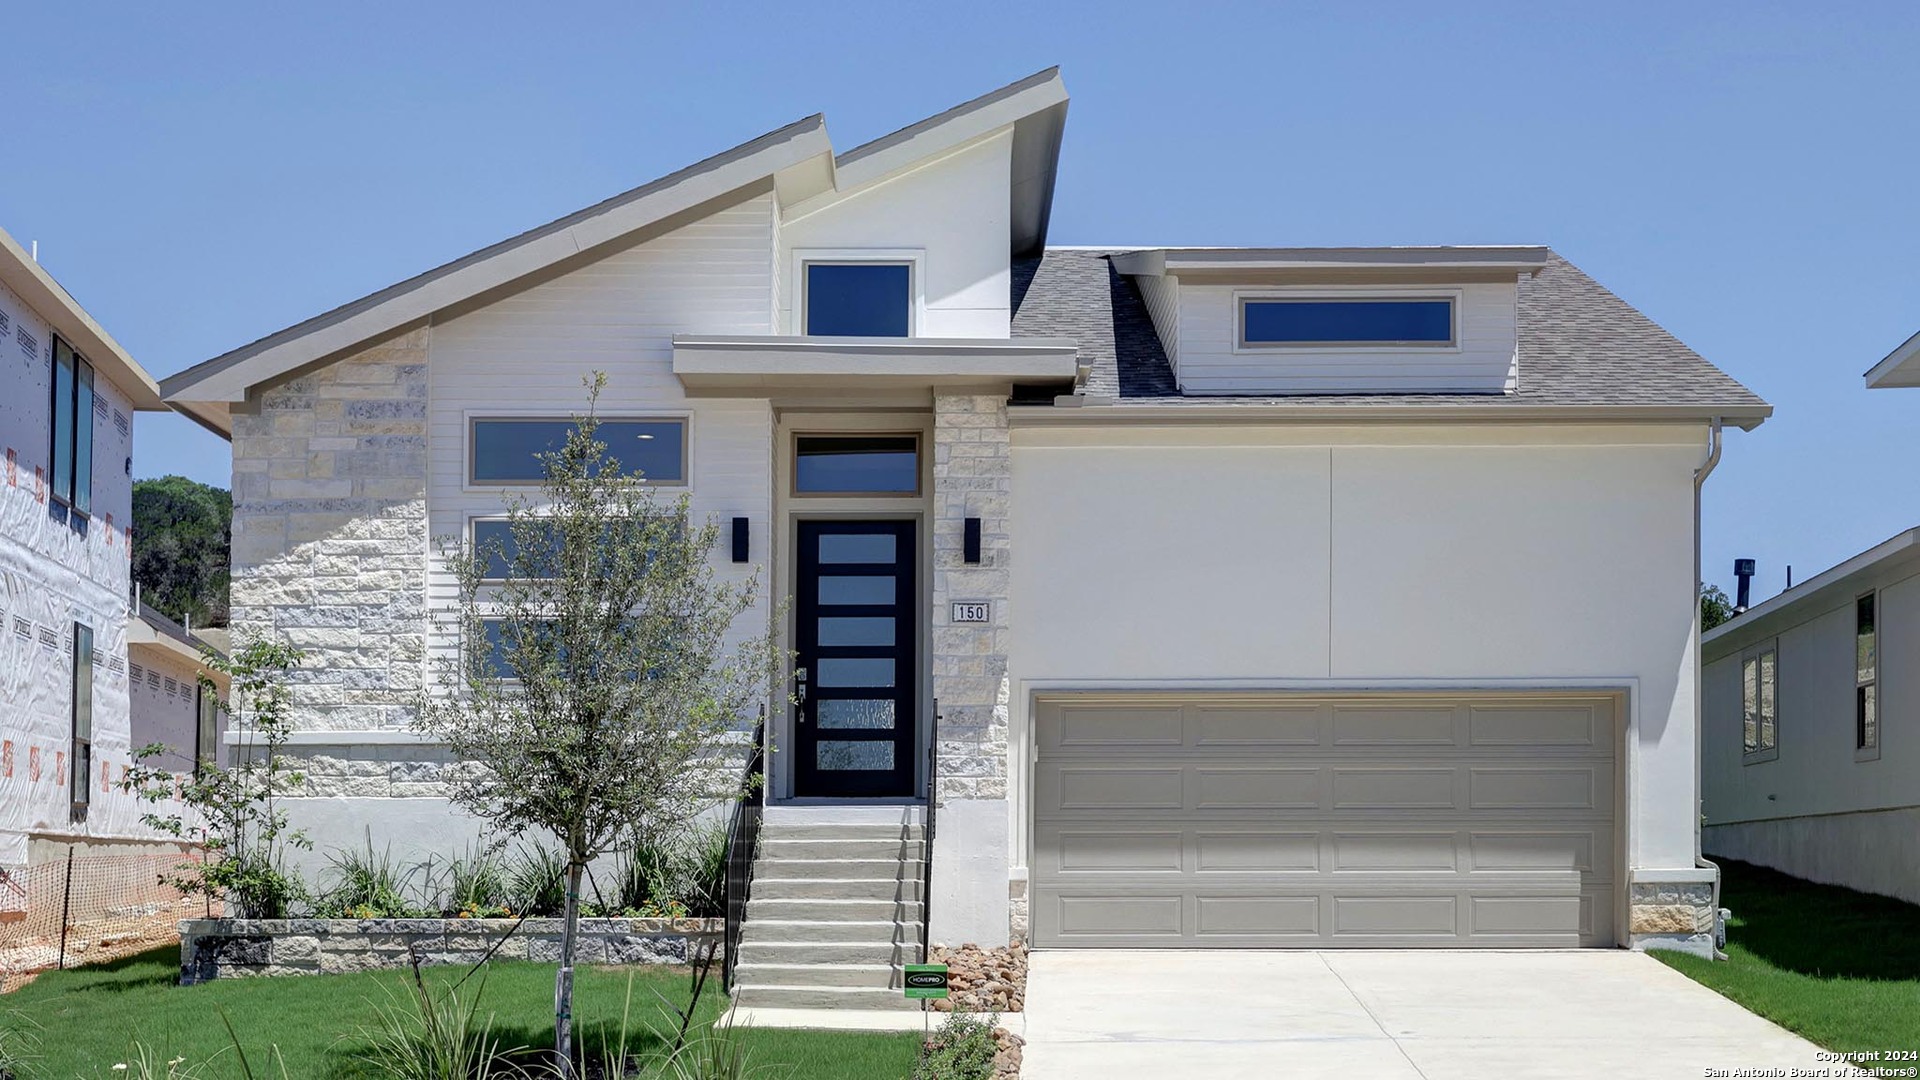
476 886
369 885
962 1049
537 882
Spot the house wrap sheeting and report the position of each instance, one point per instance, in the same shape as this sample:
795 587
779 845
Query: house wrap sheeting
51 577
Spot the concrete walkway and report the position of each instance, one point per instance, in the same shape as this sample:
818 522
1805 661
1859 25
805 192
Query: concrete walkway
1111 1015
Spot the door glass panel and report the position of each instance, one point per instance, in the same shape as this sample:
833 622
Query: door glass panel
853 755
856 548
833 713
856 631
840 671
856 590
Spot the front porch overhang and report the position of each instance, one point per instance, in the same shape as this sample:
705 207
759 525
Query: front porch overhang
760 365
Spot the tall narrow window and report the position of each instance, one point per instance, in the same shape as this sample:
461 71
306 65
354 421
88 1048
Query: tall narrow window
206 748
1759 703
1866 677
82 754
72 451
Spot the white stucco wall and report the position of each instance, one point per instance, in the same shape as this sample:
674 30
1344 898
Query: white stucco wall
1238 555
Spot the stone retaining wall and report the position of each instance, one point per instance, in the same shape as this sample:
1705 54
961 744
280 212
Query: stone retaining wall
226 948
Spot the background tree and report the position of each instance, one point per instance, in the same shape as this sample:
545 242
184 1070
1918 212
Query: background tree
597 688
1715 608
180 547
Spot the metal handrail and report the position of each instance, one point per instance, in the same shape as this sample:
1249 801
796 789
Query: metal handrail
743 840
926 840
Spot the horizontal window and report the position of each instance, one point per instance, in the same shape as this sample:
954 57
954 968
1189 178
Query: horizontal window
496 545
856 465
1358 321
508 451
859 299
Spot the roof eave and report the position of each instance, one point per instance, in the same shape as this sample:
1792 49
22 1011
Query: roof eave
1835 582
1745 417
1519 259
1900 368
48 298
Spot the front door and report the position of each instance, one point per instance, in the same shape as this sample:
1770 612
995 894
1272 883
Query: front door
855 673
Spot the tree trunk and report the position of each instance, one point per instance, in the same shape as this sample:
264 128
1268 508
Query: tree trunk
563 982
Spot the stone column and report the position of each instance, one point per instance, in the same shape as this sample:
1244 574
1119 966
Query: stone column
972 477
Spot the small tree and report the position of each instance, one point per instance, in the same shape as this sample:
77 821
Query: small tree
1715 608
596 689
234 812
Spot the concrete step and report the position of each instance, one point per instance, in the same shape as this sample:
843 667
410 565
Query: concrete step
879 976
858 847
839 869
807 830
762 996
805 929
783 887
830 912
801 953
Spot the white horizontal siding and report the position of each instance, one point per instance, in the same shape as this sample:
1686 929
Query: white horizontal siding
1208 328
527 355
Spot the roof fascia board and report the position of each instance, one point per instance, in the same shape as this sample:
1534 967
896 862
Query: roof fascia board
229 377
1773 614
48 298
1746 417
1900 368
1523 259
963 123
827 198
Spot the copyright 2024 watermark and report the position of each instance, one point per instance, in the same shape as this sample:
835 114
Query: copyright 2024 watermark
1850 1063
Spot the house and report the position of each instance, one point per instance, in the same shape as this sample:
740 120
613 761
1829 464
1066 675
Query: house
1255 597
1810 713
72 652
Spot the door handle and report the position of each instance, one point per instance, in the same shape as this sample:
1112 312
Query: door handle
800 685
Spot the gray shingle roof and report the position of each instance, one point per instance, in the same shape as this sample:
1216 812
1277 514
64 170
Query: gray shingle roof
1580 345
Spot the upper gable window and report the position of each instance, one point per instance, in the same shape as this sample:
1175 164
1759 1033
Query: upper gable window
859 299
1347 322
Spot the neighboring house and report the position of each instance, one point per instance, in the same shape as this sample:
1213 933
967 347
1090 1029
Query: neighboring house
1258 597
72 715
1812 716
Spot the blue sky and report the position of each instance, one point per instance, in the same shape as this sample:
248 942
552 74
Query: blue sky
202 174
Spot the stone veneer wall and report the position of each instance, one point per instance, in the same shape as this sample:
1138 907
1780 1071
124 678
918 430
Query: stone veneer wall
330 537
1673 915
972 477
226 948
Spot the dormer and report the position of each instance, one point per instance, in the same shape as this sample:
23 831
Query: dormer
1273 321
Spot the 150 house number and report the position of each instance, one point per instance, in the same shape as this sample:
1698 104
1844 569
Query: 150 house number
972 611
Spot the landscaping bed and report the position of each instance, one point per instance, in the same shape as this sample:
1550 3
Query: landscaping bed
1839 967
983 980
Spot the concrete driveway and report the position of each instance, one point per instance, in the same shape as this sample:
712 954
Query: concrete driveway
1109 1015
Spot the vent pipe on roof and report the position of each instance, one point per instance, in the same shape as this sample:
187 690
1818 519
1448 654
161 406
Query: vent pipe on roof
1743 572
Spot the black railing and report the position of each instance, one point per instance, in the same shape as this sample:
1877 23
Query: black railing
743 842
926 839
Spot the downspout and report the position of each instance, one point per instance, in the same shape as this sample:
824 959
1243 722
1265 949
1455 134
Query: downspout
1699 719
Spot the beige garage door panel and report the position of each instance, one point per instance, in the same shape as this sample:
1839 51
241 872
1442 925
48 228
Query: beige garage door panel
1366 822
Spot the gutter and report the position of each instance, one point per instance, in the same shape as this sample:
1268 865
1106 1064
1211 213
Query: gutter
1699 718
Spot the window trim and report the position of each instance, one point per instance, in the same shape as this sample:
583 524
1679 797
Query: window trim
1867 752
1454 299
1753 654
919 464
474 419
913 258
80 666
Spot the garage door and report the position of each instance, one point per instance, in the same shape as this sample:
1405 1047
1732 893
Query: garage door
1182 822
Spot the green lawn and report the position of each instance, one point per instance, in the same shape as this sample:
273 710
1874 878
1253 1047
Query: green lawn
85 1019
1840 967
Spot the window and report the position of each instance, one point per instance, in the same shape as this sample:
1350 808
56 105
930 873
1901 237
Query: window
1866 681
72 451
1759 696
1425 322
206 732
507 451
856 465
493 540
82 752
859 299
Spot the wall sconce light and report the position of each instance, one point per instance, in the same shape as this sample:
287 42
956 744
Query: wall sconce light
971 547
739 539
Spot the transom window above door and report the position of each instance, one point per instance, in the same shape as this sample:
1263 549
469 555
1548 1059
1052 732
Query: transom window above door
507 450
856 465
858 299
